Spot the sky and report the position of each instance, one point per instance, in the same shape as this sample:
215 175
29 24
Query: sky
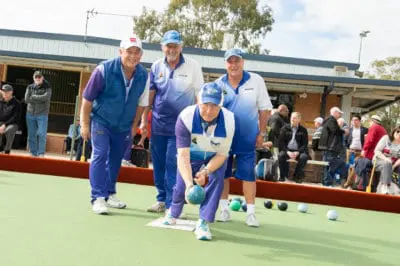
315 29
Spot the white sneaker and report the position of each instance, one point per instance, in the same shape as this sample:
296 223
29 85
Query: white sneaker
385 189
251 220
169 220
114 202
157 207
224 216
202 231
183 215
127 163
99 206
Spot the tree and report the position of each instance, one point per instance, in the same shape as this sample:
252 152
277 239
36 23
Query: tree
388 69
203 23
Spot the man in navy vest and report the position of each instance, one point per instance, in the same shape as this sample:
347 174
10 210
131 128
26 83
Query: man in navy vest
112 104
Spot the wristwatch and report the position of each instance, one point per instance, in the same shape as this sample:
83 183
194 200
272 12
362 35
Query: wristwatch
263 134
206 170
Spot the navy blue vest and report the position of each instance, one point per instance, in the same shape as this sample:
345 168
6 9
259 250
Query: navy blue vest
110 108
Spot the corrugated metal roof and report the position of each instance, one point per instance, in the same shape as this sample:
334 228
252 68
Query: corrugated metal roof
188 50
80 49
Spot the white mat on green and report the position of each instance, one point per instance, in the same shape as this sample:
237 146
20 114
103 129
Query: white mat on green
184 225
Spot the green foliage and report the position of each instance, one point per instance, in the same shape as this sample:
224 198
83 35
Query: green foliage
388 69
203 23
390 116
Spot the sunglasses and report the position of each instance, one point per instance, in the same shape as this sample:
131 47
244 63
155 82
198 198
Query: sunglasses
38 77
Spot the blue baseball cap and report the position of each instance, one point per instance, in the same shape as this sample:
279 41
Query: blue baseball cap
233 52
211 93
171 36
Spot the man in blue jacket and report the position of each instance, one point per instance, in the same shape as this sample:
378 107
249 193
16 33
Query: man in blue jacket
113 102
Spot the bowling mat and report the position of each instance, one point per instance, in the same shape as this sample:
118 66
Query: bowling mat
184 225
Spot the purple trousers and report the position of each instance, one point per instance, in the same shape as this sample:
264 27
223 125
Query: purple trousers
108 150
213 189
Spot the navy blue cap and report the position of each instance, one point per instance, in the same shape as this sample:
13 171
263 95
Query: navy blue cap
211 93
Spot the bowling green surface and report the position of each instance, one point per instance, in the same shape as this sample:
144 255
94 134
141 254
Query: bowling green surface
47 220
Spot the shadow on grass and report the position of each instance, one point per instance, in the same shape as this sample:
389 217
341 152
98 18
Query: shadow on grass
282 242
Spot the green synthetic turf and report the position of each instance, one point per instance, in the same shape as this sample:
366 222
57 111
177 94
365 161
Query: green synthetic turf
46 220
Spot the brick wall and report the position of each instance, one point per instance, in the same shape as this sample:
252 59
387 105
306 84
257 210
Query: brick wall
55 142
310 107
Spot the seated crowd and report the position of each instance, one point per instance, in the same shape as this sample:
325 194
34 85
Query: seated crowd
349 151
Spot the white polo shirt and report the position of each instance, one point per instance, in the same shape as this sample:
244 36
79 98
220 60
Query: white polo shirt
245 101
175 89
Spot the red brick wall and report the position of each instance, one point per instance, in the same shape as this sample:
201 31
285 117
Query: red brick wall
310 107
55 142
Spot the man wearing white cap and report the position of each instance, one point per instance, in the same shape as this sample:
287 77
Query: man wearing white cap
175 80
112 104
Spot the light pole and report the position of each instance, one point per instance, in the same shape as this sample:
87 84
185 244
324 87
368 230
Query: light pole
363 34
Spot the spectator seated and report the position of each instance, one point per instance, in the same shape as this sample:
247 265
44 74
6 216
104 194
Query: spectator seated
10 112
293 144
70 136
313 170
387 160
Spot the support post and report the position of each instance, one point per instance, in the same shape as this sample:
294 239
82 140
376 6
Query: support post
327 89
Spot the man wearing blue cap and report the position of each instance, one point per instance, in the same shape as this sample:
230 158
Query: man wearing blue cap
247 97
175 80
112 104
204 135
